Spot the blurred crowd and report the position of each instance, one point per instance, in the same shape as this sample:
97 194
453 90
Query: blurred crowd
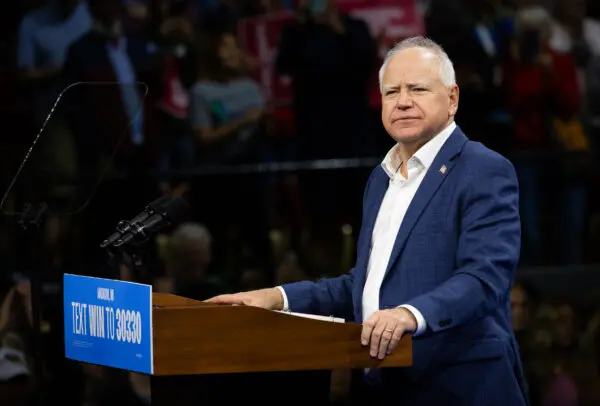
156 94
559 345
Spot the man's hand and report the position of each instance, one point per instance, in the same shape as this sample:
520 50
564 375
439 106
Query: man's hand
384 329
270 299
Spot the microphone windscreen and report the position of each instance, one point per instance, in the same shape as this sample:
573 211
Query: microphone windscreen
176 210
159 204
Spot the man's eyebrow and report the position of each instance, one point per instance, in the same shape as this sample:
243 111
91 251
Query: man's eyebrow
387 88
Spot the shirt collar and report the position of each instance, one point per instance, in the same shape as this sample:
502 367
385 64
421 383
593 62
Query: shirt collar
425 155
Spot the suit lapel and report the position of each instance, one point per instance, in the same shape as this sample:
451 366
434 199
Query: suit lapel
378 188
438 171
374 198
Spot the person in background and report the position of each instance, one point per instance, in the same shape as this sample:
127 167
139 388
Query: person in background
477 54
226 104
556 358
187 259
176 36
111 113
523 302
573 32
576 33
228 114
16 351
543 95
115 113
330 58
45 35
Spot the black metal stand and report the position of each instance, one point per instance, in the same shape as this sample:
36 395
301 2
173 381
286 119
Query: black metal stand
31 221
132 257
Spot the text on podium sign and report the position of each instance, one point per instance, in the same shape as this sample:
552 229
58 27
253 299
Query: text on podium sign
108 322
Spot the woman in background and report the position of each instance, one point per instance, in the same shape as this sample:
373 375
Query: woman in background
226 104
227 112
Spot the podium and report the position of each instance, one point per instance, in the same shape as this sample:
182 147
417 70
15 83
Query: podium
200 353
200 347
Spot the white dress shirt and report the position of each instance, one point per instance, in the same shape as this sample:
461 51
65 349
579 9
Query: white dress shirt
393 208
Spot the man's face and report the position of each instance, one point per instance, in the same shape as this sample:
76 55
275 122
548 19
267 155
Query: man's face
415 103
229 53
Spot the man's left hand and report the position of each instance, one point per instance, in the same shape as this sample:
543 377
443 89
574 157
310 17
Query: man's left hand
384 329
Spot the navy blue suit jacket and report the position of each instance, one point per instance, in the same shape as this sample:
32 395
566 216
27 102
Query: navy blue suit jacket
454 260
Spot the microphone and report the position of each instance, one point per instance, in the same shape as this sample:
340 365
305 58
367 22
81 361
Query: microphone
161 213
124 226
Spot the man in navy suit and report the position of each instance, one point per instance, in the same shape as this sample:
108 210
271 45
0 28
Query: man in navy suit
437 250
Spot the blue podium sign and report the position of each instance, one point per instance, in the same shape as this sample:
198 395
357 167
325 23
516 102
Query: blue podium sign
108 322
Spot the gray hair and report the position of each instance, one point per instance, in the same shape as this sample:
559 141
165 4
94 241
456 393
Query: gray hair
447 75
190 233
532 17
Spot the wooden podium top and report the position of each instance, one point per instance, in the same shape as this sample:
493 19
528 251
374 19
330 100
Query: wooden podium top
193 337
170 300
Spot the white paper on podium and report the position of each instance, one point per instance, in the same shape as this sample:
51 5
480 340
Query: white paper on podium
314 316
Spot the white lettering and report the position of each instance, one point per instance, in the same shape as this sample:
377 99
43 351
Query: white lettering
79 318
73 311
138 323
92 311
96 321
100 316
105 294
119 325
110 323
83 318
129 326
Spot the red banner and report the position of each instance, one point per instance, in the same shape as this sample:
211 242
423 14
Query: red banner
388 20
259 38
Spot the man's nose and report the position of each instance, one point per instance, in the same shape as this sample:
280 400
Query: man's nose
404 101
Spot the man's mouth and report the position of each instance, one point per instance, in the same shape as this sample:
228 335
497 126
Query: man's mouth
405 119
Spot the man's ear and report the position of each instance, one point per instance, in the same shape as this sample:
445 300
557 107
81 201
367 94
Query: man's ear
454 94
